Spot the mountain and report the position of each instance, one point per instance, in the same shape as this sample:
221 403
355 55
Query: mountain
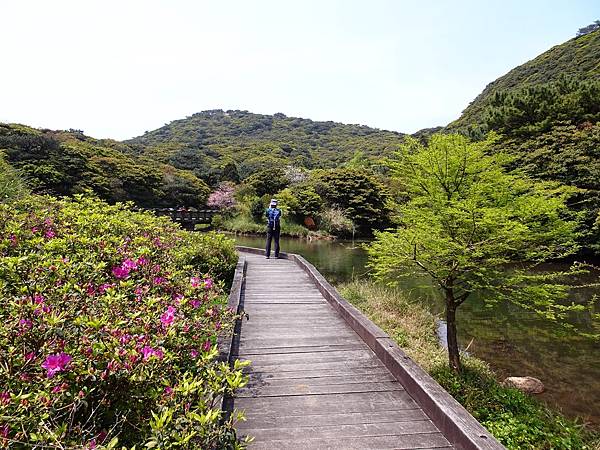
577 58
205 142
69 162
547 116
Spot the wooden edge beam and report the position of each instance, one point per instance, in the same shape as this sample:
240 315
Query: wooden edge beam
227 344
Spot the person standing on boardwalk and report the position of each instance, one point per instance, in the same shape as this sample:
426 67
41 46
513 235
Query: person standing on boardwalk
273 227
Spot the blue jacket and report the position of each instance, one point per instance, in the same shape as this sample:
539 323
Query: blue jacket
273 216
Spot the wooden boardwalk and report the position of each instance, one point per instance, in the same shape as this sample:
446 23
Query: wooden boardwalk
314 383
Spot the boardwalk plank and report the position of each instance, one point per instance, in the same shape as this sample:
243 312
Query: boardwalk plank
406 442
302 349
312 389
344 431
312 420
326 403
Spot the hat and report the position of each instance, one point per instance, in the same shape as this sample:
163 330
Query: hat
273 202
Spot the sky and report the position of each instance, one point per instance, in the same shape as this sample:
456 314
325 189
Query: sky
116 69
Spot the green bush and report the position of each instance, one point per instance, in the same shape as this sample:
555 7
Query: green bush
110 323
516 420
267 182
358 193
335 222
299 202
257 210
12 183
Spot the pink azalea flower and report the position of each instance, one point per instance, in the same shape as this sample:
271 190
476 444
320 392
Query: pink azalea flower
59 388
30 356
168 390
142 261
129 264
195 303
25 324
49 234
120 272
195 281
37 298
206 346
4 398
104 287
194 353
208 283
56 363
148 352
158 280
44 309
90 290
168 316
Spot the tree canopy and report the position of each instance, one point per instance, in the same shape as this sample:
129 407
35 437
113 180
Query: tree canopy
466 220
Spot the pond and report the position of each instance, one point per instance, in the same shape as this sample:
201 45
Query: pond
513 341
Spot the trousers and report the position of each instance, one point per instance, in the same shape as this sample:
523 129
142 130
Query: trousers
272 234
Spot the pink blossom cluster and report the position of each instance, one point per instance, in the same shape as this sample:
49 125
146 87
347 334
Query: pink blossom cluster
148 352
56 363
123 270
222 197
197 282
168 316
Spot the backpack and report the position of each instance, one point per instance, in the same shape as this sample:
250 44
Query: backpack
273 216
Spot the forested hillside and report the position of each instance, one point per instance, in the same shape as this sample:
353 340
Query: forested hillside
68 162
212 143
546 113
578 58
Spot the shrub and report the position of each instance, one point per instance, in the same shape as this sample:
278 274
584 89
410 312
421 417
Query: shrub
334 221
300 202
257 210
109 333
12 183
515 419
267 182
222 198
362 197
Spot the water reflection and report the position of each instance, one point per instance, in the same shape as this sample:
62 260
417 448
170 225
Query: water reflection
514 341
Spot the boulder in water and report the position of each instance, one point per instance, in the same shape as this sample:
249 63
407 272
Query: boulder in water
529 385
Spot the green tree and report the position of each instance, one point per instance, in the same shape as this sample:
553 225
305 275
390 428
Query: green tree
229 172
267 181
467 219
358 194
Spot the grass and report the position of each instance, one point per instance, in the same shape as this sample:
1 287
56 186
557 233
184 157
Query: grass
517 420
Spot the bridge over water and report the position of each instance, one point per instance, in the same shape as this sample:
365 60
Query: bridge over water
188 218
322 376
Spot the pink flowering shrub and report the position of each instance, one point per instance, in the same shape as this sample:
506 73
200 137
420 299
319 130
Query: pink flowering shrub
222 197
110 322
